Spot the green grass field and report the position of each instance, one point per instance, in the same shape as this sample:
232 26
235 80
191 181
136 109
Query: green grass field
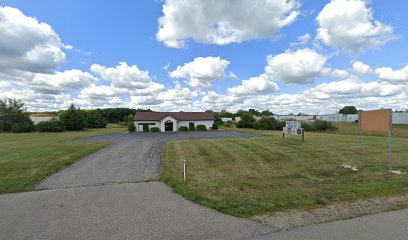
27 158
247 177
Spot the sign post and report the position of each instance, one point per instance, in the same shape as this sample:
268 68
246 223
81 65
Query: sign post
293 128
376 120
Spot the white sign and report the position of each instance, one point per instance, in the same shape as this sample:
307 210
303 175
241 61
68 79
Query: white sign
293 127
293 124
293 131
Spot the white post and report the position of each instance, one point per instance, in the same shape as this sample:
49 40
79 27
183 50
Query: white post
389 142
184 171
361 139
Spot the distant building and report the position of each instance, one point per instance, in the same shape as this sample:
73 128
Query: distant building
338 117
226 119
302 118
400 117
172 121
36 118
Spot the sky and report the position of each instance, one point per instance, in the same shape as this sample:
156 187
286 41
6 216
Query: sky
286 56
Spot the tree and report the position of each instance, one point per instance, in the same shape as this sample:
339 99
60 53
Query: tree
266 113
94 119
348 110
268 123
247 121
254 112
73 119
13 112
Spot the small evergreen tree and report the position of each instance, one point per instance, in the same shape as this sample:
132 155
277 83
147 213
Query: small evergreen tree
191 126
73 119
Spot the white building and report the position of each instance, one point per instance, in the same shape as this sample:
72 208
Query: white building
36 118
338 117
302 118
172 121
226 119
400 117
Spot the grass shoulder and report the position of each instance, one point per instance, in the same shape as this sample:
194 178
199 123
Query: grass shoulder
27 158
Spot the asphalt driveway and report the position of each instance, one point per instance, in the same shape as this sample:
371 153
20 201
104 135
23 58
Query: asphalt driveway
131 157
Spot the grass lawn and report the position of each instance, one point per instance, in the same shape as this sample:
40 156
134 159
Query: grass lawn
27 158
247 177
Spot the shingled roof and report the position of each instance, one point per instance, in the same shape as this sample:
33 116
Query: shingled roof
181 116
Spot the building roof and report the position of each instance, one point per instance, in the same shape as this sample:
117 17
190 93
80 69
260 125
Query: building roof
181 116
43 115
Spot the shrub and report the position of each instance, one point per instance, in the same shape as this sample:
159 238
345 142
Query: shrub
201 127
191 126
131 126
309 127
50 126
145 127
183 129
94 119
247 121
267 123
22 127
154 129
214 126
321 125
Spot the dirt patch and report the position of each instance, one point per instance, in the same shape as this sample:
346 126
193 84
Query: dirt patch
296 218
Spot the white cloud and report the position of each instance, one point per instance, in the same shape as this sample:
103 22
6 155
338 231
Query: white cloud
232 75
300 67
361 68
350 25
99 91
201 71
27 45
393 76
302 40
61 81
123 75
223 22
255 85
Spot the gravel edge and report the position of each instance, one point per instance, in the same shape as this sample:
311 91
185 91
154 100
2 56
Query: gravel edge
339 211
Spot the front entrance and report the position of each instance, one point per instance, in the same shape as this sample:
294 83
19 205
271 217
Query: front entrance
168 126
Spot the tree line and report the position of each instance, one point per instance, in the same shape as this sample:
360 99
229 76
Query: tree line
14 117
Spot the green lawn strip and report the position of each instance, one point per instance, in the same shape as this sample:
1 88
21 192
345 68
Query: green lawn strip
27 158
246 177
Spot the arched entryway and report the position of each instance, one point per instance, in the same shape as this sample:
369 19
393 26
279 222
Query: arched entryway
168 126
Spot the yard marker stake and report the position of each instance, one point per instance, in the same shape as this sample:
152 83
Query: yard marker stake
184 172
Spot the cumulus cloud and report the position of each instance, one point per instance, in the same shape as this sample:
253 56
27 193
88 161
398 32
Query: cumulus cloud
350 25
201 71
299 67
302 40
123 75
61 81
27 45
223 22
393 76
100 91
255 85
361 68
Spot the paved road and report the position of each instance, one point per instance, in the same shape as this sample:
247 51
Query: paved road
94 199
116 211
132 157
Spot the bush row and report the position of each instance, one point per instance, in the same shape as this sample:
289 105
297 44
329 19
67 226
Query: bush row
270 123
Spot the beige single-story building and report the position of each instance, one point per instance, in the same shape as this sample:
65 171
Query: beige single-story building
172 121
36 118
